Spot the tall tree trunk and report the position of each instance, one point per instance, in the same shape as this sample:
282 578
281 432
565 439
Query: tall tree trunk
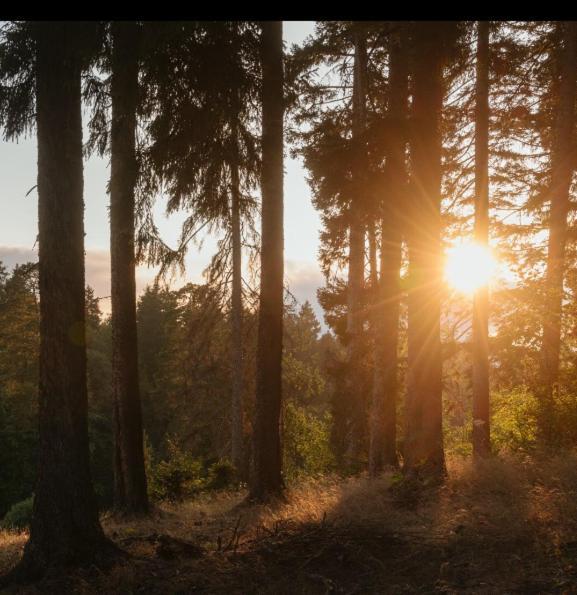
562 160
481 410
237 434
130 495
65 529
356 271
423 452
267 479
383 450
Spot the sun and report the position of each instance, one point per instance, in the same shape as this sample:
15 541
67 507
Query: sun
469 266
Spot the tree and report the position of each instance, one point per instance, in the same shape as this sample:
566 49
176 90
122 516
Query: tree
130 493
481 415
356 260
65 528
267 478
423 448
562 167
383 447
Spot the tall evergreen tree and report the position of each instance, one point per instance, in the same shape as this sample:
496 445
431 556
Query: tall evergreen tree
481 415
65 528
423 447
383 447
562 168
267 480
130 493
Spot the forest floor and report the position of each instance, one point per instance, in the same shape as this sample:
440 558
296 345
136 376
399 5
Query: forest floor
507 527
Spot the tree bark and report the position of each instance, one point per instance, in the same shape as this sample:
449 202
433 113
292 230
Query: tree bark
65 529
356 270
130 495
423 448
562 160
237 434
267 481
481 405
383 449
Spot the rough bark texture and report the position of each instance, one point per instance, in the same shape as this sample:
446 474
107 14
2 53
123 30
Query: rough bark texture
267 479
65 529
481 410
237 367
423 448
562 158
383 448
356 270
130 494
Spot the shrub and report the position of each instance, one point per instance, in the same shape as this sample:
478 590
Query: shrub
306 444
178 476
19 515
514 420
221 475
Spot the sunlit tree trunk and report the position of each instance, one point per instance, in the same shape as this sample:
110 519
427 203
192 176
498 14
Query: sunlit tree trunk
423 447
237 367
562 166
130 495
356 270
65 529
481 411
383 449
267 478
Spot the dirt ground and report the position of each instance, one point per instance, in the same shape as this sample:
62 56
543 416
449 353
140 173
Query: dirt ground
508 527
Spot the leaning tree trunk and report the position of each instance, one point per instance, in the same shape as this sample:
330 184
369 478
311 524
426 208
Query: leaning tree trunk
383 448
423 447
267 481
481 410
356 271
130 494
65 529
237 367
562 167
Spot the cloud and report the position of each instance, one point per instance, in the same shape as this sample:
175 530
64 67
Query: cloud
97 269
303 279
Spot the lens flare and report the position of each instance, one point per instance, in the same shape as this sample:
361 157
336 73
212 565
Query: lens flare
469 266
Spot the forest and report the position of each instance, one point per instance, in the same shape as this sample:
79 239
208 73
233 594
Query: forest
219 436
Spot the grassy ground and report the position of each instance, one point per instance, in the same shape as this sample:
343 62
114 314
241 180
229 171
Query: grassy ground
509 527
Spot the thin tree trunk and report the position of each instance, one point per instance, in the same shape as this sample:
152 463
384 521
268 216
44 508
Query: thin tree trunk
130 495
65 529
481 407
562 160
423 448
383 449
267 479
356 271
237 434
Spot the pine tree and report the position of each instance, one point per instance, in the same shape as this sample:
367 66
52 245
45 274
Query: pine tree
130 494
267 480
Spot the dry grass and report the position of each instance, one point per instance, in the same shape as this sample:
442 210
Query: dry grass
509 525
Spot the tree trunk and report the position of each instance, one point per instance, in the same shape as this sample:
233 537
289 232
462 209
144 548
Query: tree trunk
481 410
237 434
65 529
562 159
383 449
423 448
130 496
356 271
267 481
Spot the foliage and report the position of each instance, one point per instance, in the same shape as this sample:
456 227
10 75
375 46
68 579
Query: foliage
19 515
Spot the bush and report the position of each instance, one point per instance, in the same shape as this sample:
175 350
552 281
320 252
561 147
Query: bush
514 420
306 447
177 477
19 515
222 475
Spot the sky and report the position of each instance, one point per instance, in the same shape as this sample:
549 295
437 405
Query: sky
18 217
